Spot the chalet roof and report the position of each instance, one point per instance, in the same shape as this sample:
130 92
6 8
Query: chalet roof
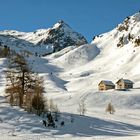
106 82
125 81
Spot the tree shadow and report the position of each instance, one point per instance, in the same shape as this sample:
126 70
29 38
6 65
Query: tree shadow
91 126
81 126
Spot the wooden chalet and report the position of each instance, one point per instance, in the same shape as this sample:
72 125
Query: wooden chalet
124 84
106 85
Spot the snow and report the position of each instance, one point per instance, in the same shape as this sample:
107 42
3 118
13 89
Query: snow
108 82
126 81
34 41
78 56
72 75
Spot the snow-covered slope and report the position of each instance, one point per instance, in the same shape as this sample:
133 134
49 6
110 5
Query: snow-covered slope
77 57
121 48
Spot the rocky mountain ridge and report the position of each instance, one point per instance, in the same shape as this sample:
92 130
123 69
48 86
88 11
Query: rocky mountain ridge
45 41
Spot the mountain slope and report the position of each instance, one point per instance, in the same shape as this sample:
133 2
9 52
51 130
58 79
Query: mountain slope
122 47
111 62
77 56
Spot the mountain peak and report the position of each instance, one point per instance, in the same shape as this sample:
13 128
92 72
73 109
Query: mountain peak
61 21
61 24
61 35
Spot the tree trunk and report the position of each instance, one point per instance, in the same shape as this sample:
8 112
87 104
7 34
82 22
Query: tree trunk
22 89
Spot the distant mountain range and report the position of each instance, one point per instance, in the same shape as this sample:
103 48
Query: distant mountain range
43 41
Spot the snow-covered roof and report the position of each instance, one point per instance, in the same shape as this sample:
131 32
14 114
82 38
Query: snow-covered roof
125 81
106 82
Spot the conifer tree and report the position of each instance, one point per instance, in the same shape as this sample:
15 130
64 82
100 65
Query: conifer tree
110 108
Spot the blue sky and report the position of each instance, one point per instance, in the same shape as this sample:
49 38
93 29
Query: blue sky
89 17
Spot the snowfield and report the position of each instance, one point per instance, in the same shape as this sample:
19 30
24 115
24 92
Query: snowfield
72 75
